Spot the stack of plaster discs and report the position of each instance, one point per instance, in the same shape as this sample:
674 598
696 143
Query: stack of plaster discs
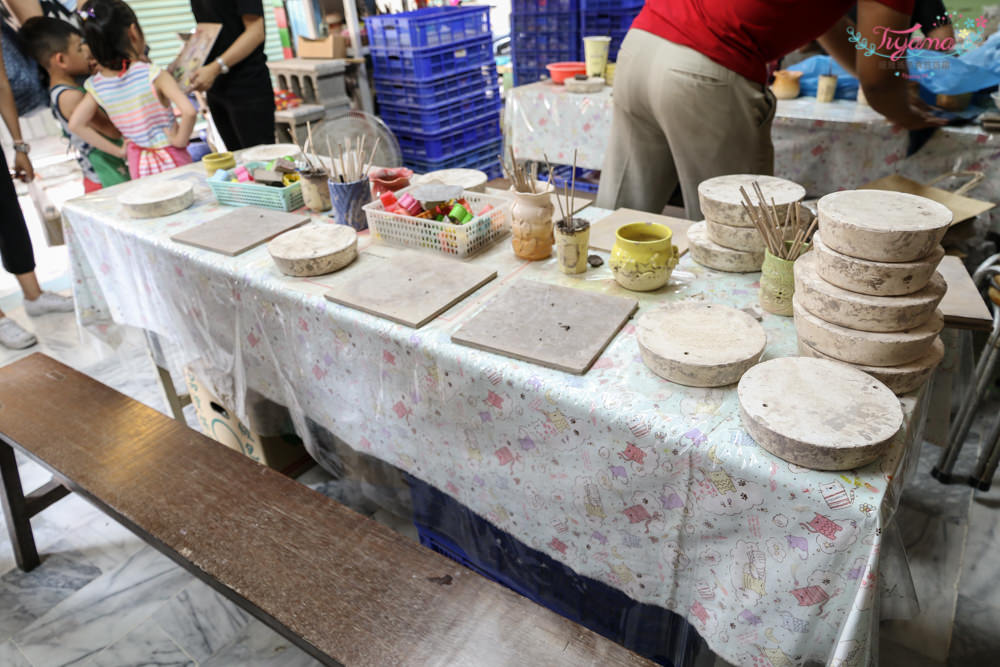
727 239
868 292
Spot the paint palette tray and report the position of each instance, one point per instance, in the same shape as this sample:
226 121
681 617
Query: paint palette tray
444 237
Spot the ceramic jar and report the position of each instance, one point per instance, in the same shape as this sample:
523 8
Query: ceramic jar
571 246
786 84
643 256
315 193
777 285
531 223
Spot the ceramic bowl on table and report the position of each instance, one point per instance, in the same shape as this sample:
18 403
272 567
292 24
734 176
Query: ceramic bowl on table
215 161
643 256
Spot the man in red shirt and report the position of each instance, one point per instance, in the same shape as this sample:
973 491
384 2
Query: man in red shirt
691 98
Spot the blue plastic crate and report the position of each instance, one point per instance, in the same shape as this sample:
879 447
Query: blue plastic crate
433 26
539 58
419 95
475 157
443 117
433 62
451 529
607 23
610 5
452 142
544 6
541 41
586 179
526 75
534 23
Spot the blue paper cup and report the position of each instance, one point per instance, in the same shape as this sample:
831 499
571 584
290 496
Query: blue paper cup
347 200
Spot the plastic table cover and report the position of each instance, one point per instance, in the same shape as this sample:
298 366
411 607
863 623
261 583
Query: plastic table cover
822 146
648 486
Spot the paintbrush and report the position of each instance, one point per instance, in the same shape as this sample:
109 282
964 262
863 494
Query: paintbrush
572 192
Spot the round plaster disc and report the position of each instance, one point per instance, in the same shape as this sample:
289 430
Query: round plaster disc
864 312
876 278
882 226
314 250
865 347
699 344
900 379
473 180
268 152
818 414
145 200
708 253
721 201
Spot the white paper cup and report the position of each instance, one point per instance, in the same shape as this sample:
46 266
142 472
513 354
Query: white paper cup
595 53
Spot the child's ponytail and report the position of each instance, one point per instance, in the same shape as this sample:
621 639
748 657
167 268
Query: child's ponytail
105 28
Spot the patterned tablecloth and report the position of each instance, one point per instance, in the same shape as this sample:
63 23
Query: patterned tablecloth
825 147
648 486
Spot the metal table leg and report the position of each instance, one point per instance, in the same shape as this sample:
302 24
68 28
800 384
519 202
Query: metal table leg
982 478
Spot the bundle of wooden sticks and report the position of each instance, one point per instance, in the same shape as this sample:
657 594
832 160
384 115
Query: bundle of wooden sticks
523 180
348 164
568 196
765 218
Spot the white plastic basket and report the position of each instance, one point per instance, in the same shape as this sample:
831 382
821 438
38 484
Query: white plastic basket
445 237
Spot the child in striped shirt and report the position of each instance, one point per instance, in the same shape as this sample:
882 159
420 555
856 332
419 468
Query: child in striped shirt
135 94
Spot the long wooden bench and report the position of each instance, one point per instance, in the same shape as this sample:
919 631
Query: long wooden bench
338 585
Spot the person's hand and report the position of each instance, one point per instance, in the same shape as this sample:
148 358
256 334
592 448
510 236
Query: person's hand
204 77
918 118
23 170
123 149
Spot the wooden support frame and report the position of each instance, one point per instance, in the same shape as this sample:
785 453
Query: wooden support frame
19 508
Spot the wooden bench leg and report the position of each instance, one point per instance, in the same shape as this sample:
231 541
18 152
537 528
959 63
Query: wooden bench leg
15 511
18 508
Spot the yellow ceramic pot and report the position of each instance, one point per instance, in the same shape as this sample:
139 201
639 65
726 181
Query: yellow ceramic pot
215 161
643 257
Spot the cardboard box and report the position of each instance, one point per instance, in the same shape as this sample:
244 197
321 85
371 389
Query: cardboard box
332 47
281 452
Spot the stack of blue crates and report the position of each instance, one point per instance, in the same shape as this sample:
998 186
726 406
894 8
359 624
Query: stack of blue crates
543 32
436 85
550 31
609 17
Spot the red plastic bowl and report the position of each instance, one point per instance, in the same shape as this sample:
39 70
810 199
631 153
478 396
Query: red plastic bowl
562 71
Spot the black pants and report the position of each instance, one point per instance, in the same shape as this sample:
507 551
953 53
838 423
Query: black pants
243 122
15 244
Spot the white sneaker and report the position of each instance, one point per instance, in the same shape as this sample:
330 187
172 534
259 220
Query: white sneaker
49 302
14 336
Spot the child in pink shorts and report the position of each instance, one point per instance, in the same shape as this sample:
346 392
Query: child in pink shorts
135 94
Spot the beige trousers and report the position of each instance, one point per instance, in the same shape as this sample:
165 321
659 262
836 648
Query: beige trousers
680 118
